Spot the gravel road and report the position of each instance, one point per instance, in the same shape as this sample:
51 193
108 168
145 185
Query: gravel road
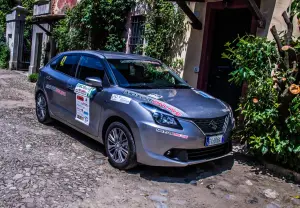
55 166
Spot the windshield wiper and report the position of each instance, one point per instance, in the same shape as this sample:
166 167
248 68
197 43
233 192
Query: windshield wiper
178 86
139 86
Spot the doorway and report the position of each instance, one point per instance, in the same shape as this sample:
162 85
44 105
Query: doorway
223 24
39 42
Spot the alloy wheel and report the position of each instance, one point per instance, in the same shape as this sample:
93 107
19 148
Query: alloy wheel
41 107
117 145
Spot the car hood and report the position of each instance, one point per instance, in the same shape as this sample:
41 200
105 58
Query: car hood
194 103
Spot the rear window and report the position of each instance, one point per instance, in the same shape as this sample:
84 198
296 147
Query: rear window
66 64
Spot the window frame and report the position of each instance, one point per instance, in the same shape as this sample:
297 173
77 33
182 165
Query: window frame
61 56
104 66
137 33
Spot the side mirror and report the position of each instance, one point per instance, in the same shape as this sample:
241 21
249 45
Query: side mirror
94 82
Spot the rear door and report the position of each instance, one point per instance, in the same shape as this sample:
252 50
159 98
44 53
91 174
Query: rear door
58 74
89 66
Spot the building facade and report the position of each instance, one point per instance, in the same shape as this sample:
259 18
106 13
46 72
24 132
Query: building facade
212 23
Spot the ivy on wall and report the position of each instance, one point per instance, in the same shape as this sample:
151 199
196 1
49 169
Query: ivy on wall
164 30
94 24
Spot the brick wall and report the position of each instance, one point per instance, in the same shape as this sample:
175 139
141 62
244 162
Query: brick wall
60 6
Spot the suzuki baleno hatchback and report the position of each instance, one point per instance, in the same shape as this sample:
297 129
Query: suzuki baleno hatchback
138 108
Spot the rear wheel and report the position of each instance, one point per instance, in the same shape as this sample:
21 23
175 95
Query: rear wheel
120 146
41 108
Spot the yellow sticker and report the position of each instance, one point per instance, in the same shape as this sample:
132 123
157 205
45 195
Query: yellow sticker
62 62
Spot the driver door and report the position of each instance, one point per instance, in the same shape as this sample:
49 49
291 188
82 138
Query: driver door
89 66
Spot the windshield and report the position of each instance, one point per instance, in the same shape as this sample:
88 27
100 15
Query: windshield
145 74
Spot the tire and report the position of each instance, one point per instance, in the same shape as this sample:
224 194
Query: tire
116 145
41 109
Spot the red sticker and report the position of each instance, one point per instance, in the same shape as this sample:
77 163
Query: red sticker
80 98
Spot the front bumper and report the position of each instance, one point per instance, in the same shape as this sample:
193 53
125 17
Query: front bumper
162 146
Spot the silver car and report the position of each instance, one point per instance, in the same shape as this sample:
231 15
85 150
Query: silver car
138 108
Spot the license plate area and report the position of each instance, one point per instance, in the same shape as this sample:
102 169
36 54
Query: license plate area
214 140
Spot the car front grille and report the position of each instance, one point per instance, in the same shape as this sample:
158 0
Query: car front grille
212 125
205 153
208 152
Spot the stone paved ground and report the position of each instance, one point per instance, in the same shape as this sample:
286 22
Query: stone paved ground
55 166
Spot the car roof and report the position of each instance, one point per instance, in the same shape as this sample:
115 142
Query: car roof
114 55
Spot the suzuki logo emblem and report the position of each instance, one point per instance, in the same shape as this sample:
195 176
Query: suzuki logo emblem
213 125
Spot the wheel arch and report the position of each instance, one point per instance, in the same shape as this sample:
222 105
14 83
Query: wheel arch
109 121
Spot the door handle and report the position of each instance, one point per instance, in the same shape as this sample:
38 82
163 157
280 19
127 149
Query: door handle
71 87
48 77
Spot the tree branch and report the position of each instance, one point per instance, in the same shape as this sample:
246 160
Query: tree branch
277 39
289 33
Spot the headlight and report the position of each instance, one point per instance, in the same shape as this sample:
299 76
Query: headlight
231 116
162 118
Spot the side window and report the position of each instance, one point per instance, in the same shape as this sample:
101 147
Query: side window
53 64
90 67
67 64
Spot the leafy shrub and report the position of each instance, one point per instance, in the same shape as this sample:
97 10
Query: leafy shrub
164 30
94 25
4 55
33 77
271 108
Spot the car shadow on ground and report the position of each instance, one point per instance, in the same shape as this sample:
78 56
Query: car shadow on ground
81 138
189 174
186 175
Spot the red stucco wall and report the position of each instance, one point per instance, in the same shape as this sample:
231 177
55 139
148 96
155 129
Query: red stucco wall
60 6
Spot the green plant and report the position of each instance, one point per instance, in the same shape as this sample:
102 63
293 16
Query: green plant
271 107
33 77
94 25
177 66
4 55
164 30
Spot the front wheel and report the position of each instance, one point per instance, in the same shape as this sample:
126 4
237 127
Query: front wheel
120 146
41 108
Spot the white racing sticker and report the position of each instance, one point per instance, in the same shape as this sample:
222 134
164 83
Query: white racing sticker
83 109
85 90
120 99
155 96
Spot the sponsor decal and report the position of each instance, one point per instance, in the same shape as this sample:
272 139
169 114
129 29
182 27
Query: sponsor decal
155 102
172 133
167 107
55 89
79 97
62 62
155 96
120 99
83 103
138 95
85 90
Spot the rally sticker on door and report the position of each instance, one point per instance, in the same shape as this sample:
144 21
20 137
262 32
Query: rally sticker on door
85 90
120 99
83 109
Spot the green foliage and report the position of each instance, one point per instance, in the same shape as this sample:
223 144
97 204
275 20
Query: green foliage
33 77
4 55
177 66
164 30
94 25
5 7
267 128
295 8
